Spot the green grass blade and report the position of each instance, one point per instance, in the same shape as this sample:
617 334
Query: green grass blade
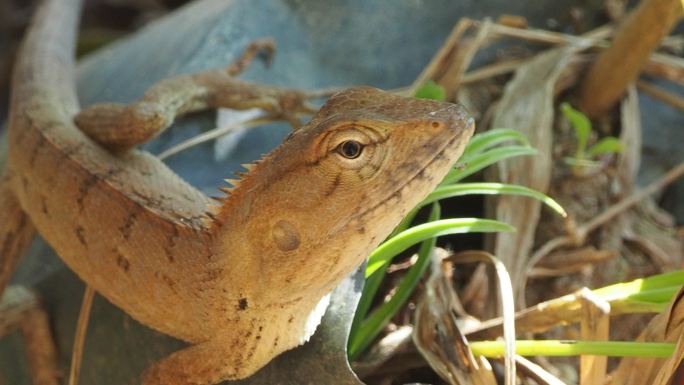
486 140
626 289
482 160
454 190
630 306
659 295
370 288
367 330
495 349
419 233
443 192
644 295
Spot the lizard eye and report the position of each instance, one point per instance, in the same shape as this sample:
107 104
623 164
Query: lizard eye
350 149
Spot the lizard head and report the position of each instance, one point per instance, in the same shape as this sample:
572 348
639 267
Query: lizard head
316 206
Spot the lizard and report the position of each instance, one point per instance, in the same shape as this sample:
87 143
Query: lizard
240 279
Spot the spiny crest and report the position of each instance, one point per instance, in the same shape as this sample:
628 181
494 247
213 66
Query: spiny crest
235 182
227 200
231 199
249 166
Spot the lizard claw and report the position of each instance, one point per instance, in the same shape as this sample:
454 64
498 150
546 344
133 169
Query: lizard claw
263 48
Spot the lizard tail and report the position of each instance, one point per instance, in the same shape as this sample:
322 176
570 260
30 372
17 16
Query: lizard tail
16 233
44 71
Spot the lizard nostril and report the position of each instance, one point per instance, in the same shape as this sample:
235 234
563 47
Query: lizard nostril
436 124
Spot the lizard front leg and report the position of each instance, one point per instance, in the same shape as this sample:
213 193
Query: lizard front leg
210 362
120 127
240 346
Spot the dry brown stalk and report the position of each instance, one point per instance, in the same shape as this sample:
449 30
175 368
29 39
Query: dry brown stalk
619 65
595 326
81 331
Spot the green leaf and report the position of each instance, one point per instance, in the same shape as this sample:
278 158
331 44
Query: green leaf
607 145
661 295
641 285
581 163
460 189
643 295
431 90
485 159
582 126
486 140
410 237
364 334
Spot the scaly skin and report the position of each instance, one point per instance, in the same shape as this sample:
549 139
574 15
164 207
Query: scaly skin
241 284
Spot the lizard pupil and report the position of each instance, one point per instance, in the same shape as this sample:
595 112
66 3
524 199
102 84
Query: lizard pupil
350 149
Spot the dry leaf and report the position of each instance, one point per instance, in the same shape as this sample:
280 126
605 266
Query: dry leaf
439 339
667 326
527 106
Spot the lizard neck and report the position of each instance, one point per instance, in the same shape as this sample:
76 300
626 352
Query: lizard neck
258 219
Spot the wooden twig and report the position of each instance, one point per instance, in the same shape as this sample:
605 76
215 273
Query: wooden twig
571 261
492 70
79 338
664 96
451 79
620 64
658 64
212 134
536 372
443 66
444 63
593 38
668 67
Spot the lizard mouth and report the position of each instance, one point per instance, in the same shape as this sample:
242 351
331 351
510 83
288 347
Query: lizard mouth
448 145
